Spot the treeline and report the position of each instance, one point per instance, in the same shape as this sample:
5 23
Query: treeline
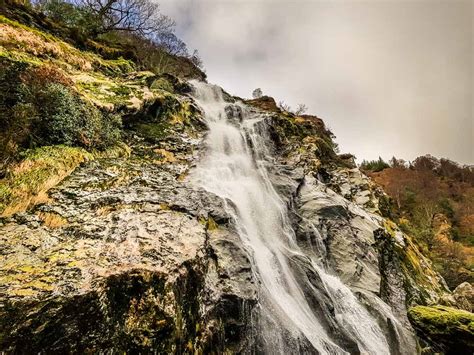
432 200
442 167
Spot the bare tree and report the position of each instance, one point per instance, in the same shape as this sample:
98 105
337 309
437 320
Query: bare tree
196 59
172 44
302 108
284 107
139 16
397 163
257 93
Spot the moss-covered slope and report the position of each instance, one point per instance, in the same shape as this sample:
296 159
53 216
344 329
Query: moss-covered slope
450 330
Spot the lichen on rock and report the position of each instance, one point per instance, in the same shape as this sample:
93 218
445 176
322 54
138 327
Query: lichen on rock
451 330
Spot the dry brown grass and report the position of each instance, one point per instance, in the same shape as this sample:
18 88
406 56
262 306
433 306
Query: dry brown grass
52 220
28 41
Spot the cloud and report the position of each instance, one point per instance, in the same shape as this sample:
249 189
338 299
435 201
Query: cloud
389 77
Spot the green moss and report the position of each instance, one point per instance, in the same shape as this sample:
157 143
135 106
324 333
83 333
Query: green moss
119 150
39 170
152 131
211 224
389 227
115 66
162 84
449 329
121 90
17 56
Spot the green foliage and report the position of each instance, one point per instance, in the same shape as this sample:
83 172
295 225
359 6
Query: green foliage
162 84
374 165
80 20
115 66
153 132
15 115
446 208
36 112
62 117
387 208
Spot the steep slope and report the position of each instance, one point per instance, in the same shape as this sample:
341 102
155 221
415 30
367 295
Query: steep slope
432 199
121 248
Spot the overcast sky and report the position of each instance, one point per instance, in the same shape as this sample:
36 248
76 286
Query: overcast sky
388 77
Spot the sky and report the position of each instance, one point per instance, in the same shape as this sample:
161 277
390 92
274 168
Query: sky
388 77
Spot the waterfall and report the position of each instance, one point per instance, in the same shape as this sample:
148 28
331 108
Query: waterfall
234 168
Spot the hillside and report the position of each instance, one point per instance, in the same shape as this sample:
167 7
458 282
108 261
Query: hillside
144 210
432 199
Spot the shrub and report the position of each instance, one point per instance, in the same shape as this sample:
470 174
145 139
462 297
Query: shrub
374 165
64 118
37 108
14 114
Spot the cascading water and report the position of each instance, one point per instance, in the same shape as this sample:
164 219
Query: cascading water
234 169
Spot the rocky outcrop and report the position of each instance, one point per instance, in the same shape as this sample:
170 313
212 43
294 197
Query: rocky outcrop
450 330
337 218
464 296
125 256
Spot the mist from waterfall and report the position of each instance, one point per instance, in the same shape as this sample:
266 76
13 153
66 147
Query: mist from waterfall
233 167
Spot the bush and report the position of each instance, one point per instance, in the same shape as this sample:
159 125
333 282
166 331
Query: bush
14 123
374 165
80 20
64 118
37 108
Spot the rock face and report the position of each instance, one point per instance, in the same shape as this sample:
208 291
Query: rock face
464 296
117 251
127 255
450 330
336 219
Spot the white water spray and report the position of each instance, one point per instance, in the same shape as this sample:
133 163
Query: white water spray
236 172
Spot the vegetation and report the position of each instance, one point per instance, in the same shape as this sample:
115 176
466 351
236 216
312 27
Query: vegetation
450 328
68 75
300 109
432 200
39 169
137 23
38 108
374 165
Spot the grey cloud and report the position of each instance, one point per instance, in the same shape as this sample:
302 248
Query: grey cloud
388 77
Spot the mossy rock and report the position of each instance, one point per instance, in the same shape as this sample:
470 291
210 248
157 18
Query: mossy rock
265 103
448 329
162 84
152 132
40 169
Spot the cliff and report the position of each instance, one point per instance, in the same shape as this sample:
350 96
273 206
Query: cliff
107 245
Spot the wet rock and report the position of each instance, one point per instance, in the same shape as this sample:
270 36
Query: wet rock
345 230
133 265
234 113
464 296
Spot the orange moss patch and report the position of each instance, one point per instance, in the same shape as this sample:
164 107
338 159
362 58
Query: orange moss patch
167 157
52 220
